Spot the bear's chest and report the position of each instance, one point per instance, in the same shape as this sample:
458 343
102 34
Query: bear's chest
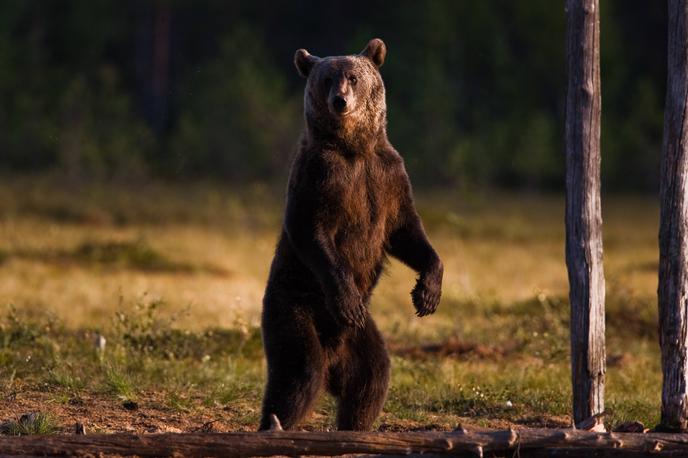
359 205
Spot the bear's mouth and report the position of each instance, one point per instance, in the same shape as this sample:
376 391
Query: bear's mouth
340 114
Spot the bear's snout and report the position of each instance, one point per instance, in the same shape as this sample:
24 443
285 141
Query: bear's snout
339 104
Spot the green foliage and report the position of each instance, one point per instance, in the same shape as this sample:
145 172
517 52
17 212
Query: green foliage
237 117
63 104
475 89
98 133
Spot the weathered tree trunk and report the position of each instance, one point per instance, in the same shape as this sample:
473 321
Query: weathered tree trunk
526 442
673 244
583 209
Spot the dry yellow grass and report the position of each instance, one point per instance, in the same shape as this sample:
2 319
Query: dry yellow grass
495 248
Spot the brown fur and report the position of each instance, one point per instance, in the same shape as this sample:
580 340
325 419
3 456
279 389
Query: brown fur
349 205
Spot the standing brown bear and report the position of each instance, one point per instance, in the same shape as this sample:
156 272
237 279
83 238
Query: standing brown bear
349 205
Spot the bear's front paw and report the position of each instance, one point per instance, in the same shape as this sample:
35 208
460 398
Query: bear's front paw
426 295
349 310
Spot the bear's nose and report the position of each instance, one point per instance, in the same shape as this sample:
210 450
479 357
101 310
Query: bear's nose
339 103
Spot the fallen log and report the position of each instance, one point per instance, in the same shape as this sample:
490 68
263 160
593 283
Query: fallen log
527 442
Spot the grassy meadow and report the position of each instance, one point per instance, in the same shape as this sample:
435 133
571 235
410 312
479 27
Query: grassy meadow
136 308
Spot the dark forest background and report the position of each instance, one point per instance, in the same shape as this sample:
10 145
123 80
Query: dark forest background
182 90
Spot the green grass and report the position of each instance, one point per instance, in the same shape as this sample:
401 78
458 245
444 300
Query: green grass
66 377
525 383
29 424
132 254
136 255
119 383
174 284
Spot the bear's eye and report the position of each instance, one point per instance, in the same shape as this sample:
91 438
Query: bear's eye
353 80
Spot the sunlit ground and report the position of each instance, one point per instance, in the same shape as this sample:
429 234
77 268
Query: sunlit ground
173 278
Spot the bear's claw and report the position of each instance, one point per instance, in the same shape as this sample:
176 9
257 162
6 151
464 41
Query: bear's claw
349 310
426 297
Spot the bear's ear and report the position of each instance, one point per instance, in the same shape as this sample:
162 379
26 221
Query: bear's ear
376 51
304 62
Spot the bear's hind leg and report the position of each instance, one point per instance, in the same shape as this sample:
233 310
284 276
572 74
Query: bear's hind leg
296 369
360 378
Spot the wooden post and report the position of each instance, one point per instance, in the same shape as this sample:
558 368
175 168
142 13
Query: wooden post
583 209
673 230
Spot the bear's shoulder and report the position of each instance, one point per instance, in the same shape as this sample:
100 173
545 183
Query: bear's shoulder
392 163
387 155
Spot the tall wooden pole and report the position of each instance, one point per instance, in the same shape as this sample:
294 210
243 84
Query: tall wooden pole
673 229
583 209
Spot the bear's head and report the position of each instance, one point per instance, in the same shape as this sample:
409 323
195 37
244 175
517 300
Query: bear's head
345 95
